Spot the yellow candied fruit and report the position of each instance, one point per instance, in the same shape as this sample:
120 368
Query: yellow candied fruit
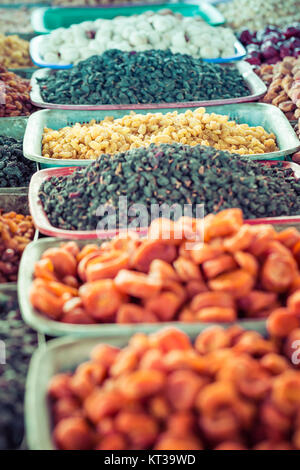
88 141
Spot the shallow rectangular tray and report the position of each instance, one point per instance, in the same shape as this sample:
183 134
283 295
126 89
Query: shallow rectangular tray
58 355
43 224
256 86
50 327
34 49
254 114
45 20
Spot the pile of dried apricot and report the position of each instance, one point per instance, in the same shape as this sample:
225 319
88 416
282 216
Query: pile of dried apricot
239 271
232 389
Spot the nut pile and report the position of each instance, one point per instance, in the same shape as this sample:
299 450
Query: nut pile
15 169
151 30
16 231
171 174
14 95
153 76
89 141
283 80
14 52
256 14
240 271
230 390
20 343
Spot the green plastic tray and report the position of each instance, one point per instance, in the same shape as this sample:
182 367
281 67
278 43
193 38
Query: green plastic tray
58 355
254 114
44 20
47 326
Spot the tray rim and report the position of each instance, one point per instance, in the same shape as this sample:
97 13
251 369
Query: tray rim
33 124
37 420
38 14
257 89
44 226
102 330
240 54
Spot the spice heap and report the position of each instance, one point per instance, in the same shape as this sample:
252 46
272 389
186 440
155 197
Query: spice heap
16 19
169 174
283 80
15 169
240 271
230 390
89 141
154 76
160 30
16 231
14 52
272 44
256 14
14 95
20 343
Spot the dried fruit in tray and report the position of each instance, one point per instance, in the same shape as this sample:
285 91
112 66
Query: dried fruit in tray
240 271
14 52
271 44
89 141
16 231
283 86
155 76
231 389
15 169
170 174
14 95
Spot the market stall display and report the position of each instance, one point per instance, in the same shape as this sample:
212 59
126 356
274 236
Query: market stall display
272 44
167 392
16 231
240 271
89 141
256 14
14 95
14 52
20 343
170 205
15 169
149 30
154 76
167 174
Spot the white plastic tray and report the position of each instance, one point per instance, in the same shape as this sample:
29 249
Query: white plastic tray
256 86
37 59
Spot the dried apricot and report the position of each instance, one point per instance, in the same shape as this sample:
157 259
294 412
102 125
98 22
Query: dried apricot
136 284
101 299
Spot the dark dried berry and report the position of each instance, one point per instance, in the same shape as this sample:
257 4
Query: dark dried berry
155 76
